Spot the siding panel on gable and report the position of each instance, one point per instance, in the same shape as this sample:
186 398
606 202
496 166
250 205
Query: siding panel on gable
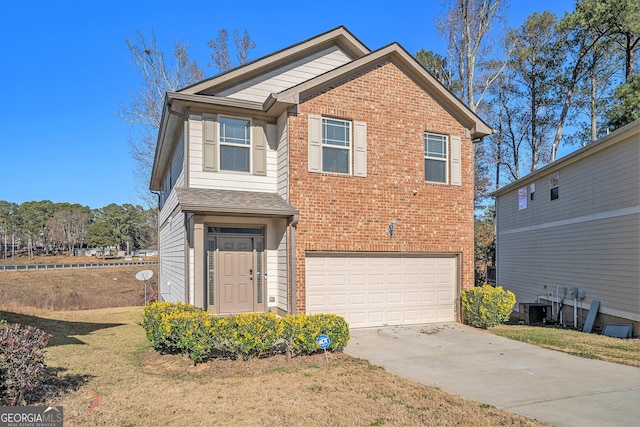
285 77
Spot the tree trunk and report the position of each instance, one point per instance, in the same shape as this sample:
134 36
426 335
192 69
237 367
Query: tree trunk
594 123
628 64
561 120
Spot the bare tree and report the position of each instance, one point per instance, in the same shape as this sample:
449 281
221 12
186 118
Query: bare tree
467 25
243 45
220 55
506 144
68 227
159 75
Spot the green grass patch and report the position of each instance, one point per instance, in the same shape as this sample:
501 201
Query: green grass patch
591 346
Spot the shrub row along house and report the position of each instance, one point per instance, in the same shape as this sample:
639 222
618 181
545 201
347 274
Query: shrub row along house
323 178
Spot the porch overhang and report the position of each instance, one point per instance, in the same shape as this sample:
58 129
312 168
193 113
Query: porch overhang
206 201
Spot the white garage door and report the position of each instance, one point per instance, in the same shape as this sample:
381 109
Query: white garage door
371 290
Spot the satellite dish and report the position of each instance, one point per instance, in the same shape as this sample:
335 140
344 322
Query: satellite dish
144 275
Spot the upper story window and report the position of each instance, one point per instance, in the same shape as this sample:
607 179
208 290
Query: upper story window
336 146
522 198
554 183
235 144
435 157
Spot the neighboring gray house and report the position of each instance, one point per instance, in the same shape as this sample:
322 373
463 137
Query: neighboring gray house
576 224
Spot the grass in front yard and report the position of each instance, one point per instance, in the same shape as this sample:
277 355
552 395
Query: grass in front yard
73 289
127 383
592 346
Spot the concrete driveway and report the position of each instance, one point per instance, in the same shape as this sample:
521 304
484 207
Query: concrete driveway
546 385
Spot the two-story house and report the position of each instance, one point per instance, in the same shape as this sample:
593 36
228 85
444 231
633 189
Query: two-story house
324 177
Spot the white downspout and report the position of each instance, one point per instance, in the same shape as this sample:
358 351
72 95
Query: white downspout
294 225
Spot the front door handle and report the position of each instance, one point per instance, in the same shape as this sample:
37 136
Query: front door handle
251 274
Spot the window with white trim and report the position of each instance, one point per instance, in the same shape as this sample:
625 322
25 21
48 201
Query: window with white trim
435 157
235 144
336 145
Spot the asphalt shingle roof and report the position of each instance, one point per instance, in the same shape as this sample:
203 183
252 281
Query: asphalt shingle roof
250 203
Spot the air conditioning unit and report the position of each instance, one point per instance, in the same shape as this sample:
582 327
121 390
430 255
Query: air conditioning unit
535 313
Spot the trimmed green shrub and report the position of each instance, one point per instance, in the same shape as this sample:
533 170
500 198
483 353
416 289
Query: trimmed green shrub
253 334
178 328
300 331
183 328
486 306
22 366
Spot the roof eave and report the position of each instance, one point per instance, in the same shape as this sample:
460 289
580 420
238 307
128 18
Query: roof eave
587 150
168 127
477 127
339 36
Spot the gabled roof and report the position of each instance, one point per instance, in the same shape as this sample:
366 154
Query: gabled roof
176 103
618 135
339 36
399 56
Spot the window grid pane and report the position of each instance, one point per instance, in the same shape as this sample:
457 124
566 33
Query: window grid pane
336 143
235 131
435 158
435 146
336 132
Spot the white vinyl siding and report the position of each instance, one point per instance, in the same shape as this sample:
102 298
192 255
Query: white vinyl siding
376 290
172 255
282 138
174 178
282 297
284 77
588 238
200 177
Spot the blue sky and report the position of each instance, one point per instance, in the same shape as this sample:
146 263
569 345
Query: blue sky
65 69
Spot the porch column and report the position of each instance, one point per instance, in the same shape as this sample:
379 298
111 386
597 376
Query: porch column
198 262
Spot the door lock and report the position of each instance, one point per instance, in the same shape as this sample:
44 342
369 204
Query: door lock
251 274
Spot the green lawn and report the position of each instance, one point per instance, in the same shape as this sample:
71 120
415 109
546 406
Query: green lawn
591 346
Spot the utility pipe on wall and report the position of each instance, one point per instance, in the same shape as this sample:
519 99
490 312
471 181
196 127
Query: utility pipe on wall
294 225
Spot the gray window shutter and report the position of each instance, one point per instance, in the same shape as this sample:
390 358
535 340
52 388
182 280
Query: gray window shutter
359 149
259 150
209 142
456 161
315 142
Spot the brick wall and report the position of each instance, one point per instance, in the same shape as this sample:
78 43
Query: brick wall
346 213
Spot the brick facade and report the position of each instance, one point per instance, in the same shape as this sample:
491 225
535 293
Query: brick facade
347 213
